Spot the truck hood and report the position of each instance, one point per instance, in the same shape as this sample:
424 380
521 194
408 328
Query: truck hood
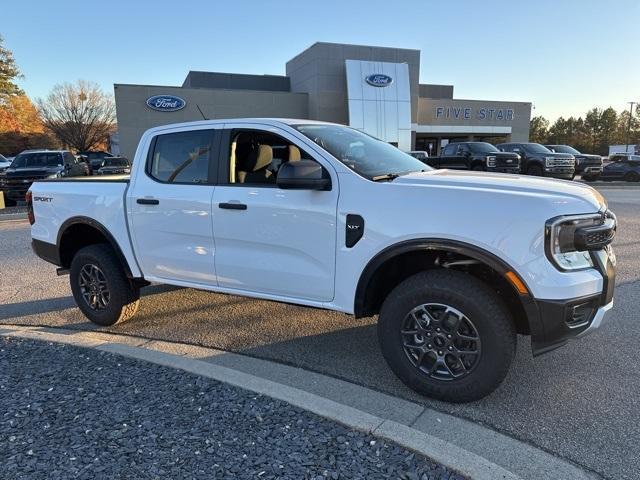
559 190
31 172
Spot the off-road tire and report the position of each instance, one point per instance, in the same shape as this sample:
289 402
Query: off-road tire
631 177
478 303
124 297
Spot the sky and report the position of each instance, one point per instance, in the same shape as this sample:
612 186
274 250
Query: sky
564 56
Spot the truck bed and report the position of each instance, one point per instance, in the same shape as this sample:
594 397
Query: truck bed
92 178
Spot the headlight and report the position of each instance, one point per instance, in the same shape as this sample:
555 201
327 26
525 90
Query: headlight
569 239
54 175
549 161
491 161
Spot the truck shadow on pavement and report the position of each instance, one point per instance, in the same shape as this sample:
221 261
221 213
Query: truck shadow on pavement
19 310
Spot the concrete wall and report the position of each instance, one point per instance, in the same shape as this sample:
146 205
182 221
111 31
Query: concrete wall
237 81
134 117
320 72
435 91
476 113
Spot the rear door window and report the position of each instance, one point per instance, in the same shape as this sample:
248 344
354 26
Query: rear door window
183 157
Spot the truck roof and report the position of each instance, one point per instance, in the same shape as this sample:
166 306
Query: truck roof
266 120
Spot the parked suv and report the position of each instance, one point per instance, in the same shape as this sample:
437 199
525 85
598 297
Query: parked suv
95 158
114 166
480 156
587 165
32 165
454 264
539 161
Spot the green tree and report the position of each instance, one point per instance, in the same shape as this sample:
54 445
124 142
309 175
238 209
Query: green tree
9 72
538 129
608 130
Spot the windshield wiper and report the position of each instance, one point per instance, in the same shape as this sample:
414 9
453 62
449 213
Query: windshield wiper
392 176
386 176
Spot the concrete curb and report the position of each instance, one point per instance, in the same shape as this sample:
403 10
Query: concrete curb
453 457
410 425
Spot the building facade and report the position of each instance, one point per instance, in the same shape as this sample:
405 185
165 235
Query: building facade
373 89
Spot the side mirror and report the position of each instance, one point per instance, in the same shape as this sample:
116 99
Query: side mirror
303 175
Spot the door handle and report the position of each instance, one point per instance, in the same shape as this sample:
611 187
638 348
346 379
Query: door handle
232 206
148 201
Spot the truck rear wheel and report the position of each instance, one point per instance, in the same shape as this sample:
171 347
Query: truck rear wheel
100 287
447 335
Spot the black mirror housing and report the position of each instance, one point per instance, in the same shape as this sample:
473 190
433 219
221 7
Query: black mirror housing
303 175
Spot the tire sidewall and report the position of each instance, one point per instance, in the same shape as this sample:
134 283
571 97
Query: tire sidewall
496 351
118 296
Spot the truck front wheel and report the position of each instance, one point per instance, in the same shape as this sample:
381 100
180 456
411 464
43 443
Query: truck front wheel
100 287
447 335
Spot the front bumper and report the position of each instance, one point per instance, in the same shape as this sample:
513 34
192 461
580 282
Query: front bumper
501 169
560 172
557 321
15 192
589 169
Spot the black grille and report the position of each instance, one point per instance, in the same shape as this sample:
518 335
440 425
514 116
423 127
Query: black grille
580 315
595 238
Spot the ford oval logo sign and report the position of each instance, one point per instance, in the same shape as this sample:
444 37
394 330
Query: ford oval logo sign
166 103
379 80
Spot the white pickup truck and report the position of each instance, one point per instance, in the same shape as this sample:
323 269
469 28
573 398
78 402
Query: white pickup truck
454 263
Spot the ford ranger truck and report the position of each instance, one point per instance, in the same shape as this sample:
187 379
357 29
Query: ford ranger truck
454 264
479 156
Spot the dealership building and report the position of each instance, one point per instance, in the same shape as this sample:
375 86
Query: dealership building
374 89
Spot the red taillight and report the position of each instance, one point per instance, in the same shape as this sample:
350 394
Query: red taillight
30 214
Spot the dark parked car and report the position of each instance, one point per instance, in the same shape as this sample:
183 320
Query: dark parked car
481 156
587 165
115 166
622 156
627 170
32 165
538 160
95 158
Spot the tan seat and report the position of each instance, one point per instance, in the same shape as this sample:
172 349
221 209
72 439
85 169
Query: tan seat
253 169
294 153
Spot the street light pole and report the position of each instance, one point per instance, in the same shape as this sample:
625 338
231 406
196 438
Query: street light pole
631 104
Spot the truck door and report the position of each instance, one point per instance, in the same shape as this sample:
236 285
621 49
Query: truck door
169 205
270 240
452 157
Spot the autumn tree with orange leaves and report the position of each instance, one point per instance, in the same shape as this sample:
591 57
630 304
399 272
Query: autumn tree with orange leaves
20 124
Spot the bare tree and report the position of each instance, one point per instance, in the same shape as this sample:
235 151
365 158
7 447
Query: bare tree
80 115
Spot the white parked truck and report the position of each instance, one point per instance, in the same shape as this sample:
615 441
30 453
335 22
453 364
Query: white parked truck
454 263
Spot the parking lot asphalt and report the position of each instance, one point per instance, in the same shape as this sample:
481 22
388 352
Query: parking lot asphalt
579 402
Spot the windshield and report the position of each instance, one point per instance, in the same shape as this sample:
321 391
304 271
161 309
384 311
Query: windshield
115 162
565 149
482 147
536 148
37 160
364 154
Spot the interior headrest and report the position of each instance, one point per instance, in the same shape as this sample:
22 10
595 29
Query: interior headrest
260 158
294 153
